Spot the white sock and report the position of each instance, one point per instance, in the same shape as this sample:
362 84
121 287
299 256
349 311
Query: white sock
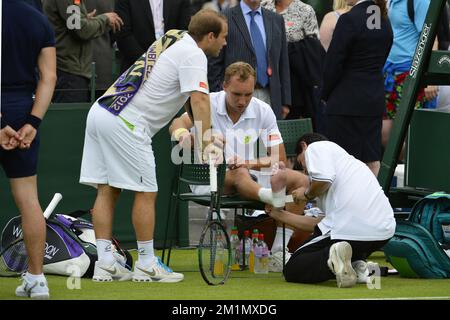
34 277
104 251
265 195
146 252
278 241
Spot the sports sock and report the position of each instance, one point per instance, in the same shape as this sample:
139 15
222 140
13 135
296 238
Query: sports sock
146 252
104 251
34 277
278 241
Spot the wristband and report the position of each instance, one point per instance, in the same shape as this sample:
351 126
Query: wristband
33 121
305 194
178 133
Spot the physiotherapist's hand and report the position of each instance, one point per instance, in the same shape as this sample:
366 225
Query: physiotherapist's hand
298 195
26 136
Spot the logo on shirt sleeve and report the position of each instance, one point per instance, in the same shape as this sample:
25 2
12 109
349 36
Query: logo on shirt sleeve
274 137
203 85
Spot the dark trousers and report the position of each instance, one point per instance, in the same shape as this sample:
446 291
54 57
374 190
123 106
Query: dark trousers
71 88
309 264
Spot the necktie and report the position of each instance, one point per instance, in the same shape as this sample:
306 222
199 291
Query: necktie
260 50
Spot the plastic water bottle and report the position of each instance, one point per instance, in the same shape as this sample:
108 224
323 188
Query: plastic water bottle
251 259
235 251
219 258
245 245
261 256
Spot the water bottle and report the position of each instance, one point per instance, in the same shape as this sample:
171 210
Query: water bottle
261 256
245 245
235 251
251 259
219 257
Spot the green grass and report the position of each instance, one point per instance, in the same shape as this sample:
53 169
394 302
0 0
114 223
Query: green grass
241 285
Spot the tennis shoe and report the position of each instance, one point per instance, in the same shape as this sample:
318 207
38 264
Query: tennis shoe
340 264
157 271
364 270
276 260
115 271
37 289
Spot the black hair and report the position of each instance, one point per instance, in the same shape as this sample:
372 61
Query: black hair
308 138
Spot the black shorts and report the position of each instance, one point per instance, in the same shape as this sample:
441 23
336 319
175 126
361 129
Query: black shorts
359 136
18 163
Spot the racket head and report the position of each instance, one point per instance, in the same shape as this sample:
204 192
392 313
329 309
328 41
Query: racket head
13 259
214 254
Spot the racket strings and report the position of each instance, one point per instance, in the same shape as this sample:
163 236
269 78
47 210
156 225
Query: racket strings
14 259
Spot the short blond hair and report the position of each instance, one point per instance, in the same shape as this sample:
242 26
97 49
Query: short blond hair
240 69
339 5
204 22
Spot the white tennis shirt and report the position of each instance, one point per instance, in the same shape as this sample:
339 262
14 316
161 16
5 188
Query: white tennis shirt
355 205
179 70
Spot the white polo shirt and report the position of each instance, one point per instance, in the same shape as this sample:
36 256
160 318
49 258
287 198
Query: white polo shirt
355 205
179 70
257 122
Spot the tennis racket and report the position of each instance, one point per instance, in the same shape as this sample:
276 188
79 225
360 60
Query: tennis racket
214 249
13 255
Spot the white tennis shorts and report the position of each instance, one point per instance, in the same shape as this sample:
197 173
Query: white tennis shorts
117 153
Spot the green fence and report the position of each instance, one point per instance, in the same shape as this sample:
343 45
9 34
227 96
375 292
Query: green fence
62 137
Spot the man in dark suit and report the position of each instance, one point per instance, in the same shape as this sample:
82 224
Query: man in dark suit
140 30
353 83
264 48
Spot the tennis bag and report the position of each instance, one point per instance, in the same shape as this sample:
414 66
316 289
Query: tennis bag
417 248
70 247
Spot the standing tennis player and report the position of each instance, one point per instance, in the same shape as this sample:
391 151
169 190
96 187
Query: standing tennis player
118 144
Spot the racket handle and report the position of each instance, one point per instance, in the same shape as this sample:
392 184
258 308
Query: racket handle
52 205
212 174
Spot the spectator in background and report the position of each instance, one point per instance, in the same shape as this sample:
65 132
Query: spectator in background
146 21
406 36
219 5
35 3
329 22
353 82
74 47
256 36
305 54
103 49
28 44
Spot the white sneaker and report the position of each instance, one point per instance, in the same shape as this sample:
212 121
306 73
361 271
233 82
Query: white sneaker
276 260
364 270
156 272
104 273
340 264
37 289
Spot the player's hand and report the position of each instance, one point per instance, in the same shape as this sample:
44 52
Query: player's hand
213 152
284 112
26 136
235 162
115 22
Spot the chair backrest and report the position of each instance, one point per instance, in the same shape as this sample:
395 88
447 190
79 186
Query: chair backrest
291 131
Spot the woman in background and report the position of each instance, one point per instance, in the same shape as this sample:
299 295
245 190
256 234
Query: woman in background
329 22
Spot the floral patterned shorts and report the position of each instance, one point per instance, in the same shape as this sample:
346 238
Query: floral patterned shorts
394 97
